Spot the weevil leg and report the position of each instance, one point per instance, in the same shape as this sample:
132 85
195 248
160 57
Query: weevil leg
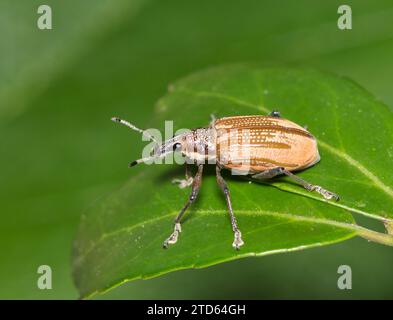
308 186
184 183
311 187
197 181
275 113
268 174
237 242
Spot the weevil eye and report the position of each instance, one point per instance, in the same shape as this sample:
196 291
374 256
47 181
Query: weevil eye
176 146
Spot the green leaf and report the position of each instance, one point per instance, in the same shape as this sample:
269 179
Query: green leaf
120 237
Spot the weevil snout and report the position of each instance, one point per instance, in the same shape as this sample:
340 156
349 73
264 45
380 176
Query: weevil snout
168 146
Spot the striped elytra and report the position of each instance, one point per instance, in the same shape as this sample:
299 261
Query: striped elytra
258 143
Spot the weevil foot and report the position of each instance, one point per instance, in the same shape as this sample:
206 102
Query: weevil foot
238 241
325 193
183 183
172 239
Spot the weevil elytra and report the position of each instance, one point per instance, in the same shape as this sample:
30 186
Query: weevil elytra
261 147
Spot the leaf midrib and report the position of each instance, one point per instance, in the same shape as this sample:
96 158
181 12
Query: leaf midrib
256 213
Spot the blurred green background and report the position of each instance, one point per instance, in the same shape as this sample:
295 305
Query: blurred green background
60 152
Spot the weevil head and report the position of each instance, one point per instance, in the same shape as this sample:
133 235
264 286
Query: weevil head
196 145
176 143
160 150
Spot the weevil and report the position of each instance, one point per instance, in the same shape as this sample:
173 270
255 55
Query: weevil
261 147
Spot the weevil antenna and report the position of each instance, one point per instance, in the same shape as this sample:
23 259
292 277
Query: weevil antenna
153 157
135 162
131 126
142 160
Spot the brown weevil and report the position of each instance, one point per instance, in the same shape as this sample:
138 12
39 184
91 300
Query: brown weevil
261 147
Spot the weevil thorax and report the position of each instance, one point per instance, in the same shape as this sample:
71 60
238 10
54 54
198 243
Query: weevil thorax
199 145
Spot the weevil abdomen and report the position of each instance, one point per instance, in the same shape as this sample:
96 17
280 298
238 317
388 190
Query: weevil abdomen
258 143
